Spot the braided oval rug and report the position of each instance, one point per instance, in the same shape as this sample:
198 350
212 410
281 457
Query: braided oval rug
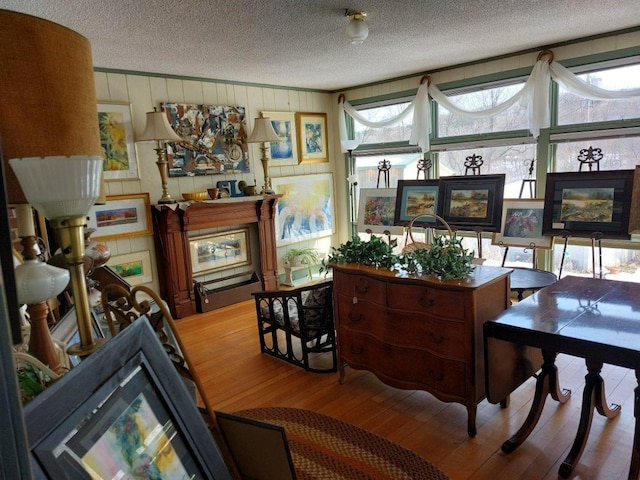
323 447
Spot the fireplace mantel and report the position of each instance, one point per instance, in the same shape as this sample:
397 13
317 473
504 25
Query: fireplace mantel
172 224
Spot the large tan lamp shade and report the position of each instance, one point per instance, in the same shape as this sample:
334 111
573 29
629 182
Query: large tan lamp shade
159 130
49 112
264 133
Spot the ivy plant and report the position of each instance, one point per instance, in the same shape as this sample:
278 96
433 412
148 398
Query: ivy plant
445 258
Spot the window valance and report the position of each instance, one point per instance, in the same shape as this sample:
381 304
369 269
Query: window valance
534 95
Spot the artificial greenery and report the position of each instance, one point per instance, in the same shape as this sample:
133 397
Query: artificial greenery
375 252
445 258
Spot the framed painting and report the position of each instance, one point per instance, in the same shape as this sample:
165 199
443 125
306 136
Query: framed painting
416 197
284 152
135 267
472 202
521 224
117 141
214 139
306 209
376 211
583 203
121 216
126 411
312 137
219 251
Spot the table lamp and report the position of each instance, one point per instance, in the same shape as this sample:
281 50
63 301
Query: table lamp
264 133
50 138
159 130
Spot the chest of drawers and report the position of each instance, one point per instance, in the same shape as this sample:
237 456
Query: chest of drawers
418 333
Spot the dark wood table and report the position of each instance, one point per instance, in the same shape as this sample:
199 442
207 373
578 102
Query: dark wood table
598 320
523 279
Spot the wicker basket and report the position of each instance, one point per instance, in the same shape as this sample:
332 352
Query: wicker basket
410 247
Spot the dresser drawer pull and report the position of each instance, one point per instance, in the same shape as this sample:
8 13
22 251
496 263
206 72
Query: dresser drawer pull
356 351
426 302
354 317
435 338
362 290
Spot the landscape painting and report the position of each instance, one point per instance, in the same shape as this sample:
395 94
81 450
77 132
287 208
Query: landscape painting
469 203
472 202
416 197
220 251
582 204
587 205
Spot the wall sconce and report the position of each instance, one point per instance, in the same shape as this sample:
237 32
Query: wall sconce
49 132
357 28
264 133
159 130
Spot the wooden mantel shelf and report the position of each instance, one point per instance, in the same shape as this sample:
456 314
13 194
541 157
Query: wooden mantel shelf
172 224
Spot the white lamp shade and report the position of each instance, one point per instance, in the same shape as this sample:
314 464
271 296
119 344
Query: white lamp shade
37 281
263 131
349 145
60 187
158 128
357 31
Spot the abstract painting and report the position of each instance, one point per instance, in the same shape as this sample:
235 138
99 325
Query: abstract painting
214 139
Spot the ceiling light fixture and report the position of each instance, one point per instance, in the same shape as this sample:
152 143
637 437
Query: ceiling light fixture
357 29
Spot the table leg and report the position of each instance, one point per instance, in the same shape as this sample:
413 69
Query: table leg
592 397
547 384
634 471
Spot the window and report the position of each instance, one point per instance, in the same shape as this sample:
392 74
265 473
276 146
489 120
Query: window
395 133
512 160
514 118
573 109
507 147
617 153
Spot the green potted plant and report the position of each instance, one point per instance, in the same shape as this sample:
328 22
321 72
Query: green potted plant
308 256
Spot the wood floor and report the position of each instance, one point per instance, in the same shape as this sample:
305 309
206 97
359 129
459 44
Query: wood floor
223 345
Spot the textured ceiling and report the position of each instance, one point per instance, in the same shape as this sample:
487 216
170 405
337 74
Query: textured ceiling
302 43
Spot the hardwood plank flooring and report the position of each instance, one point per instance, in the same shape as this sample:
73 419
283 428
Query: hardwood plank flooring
223 345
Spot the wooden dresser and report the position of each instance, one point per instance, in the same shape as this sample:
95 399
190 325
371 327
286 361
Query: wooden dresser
419 333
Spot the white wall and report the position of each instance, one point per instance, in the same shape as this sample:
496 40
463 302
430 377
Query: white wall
145 92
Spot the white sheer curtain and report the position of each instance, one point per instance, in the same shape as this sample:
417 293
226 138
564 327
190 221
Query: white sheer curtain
534 95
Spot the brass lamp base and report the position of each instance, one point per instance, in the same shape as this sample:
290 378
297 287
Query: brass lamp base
163 167
266 188
70 233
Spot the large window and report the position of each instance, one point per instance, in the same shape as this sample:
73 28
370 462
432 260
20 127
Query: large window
395 133
514 118
506 147
512 160
573 109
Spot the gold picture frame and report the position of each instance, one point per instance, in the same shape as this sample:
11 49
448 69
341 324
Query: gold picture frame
117 141
312 137
122 216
